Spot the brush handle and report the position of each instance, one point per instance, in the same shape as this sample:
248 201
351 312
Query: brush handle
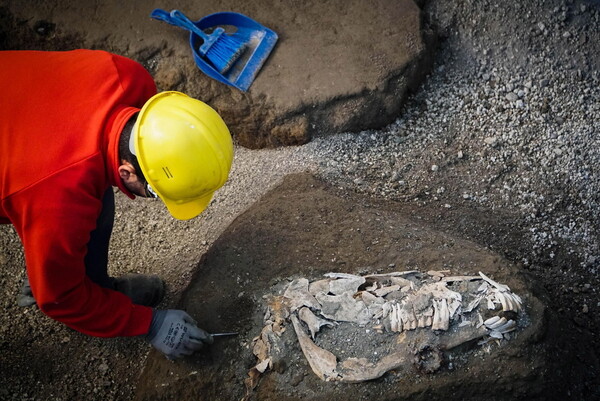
177 18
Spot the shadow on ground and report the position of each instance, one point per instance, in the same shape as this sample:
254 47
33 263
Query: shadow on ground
304 229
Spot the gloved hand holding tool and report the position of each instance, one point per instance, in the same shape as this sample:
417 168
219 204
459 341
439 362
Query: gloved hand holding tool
175 334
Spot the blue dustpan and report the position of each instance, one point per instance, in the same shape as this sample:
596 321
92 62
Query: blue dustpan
260 41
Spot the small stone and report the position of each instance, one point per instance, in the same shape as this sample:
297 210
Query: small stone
460 154
511 97
566 34
490 140
103 368
585 308
434 167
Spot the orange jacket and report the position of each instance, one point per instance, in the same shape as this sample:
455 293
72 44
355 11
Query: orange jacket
61 114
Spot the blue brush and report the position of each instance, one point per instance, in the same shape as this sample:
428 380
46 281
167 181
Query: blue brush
220 48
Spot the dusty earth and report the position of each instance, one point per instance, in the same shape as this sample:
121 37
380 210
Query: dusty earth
303 228
327 72
495 160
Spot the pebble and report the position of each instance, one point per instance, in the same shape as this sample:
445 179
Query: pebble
511 97
490 140
103 368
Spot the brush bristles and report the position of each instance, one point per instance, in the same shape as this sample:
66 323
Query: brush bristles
225 52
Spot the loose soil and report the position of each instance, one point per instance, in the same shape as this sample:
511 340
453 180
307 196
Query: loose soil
533 231
305 228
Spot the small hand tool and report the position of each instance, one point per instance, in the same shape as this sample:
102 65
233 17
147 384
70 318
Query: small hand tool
224 334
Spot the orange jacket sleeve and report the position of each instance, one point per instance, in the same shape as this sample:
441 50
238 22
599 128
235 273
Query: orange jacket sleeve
61 115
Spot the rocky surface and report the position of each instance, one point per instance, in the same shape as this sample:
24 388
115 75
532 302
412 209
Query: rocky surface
499 146
338 65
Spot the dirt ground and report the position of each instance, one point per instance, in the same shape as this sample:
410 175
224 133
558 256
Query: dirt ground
304 228
221 265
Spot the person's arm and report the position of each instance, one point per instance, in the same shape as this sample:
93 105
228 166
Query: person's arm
54 222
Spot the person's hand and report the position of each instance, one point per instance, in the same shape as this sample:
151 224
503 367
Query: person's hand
175 334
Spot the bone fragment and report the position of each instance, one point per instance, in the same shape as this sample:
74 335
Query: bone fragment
502 300
445 315
251 382
407 314
298 294
262 366
438 273
453 306
342 275
313 322
383 291
319 286
499 286
392 274
406 288
373 303
371 300
466 334
321 361
344 308
479 320
428 312
506 327
452 279
355 370
394 319
491 320
386 309
517 298
402 282
497 323
344 285
472 305
516 301
262 343
435 325
441 315
496 334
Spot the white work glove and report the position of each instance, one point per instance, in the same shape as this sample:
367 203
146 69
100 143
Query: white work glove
175 334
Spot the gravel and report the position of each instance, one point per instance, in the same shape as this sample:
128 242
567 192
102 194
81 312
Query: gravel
508 120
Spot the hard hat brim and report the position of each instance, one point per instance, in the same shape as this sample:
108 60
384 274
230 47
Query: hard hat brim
188 210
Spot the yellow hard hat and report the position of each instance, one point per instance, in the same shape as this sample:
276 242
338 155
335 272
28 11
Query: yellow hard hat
184 149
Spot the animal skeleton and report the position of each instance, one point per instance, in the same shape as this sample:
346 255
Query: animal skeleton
445 310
